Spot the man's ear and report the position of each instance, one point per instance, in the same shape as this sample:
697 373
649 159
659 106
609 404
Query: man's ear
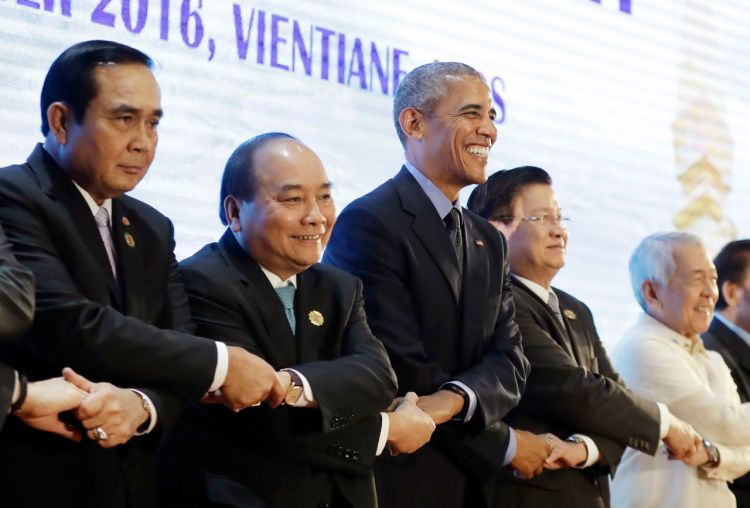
731 293
648 289
506 229
232 212
412 123
59 118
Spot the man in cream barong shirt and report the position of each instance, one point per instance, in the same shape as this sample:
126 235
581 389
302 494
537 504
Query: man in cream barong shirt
662 358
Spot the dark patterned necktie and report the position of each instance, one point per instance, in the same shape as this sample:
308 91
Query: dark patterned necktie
453 224
286 295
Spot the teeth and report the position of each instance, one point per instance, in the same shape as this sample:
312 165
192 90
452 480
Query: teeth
308 237
481 151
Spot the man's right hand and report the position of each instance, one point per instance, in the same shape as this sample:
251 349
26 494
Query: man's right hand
531 452
250 380
681 440
409 427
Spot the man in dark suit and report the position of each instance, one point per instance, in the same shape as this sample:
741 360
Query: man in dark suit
260 287
729 334
437 293
109 300
572 391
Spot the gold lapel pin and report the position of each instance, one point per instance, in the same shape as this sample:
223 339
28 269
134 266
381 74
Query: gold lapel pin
130 240
125 221
316 318
569 314
480 243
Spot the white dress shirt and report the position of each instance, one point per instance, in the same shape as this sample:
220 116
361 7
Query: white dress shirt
659 363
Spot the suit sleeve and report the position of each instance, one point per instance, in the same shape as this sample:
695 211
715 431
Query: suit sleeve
7 385
559 390
610 450
369 381
97 340
16 294
362 245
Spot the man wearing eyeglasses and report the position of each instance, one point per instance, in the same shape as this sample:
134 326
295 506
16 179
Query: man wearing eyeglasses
572 391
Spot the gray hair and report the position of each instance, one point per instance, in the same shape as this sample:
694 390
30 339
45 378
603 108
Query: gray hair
424 87
653 260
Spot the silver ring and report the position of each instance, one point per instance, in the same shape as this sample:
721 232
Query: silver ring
100 434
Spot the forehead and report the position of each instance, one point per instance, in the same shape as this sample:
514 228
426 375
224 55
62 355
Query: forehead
690 258
536 196
463 90
286 162
131 84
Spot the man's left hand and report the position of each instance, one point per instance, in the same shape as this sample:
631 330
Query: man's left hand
117 411
565 454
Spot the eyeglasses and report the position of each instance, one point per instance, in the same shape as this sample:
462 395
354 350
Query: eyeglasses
543 220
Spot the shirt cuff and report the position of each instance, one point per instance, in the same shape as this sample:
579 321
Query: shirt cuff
472 397
151 413
510 453
663 420
222 366
307 395
591 449
383 439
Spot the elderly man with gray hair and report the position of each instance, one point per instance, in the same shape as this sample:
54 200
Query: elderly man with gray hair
662 358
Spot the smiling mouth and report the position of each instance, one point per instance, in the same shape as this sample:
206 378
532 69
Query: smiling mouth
307 237
479 151
703 308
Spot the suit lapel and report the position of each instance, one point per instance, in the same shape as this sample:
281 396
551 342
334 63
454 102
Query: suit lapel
573 331
429 228
557 331
130 257
56 183
281 348
475 289
733 343
313 319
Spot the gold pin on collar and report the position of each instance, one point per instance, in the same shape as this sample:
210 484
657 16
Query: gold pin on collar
569 314
130 240
316 318
479 243
125 221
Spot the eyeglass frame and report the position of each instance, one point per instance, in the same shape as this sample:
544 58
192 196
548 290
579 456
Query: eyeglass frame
543 219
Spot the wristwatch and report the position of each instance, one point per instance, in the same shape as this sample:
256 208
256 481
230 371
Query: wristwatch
295 390
714 457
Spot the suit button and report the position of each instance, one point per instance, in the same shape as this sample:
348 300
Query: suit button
323 504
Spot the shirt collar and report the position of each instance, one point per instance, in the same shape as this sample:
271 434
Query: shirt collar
539 290
276 281
439 200
694 348
740 332
92 204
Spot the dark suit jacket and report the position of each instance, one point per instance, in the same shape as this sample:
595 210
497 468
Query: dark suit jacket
736 354
284 457
16 312
436 327
573 388
117 332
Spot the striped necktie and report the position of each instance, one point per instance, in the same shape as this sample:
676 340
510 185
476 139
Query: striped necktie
286 295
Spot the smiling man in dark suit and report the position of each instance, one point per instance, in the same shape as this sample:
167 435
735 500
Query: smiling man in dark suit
109 300
260 287
572 391
729 334
437 293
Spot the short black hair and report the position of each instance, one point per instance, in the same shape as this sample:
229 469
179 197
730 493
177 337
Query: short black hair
239 179
732 264
494 198
70 78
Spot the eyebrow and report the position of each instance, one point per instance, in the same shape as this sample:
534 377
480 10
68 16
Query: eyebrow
295 186
124 108
474 107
